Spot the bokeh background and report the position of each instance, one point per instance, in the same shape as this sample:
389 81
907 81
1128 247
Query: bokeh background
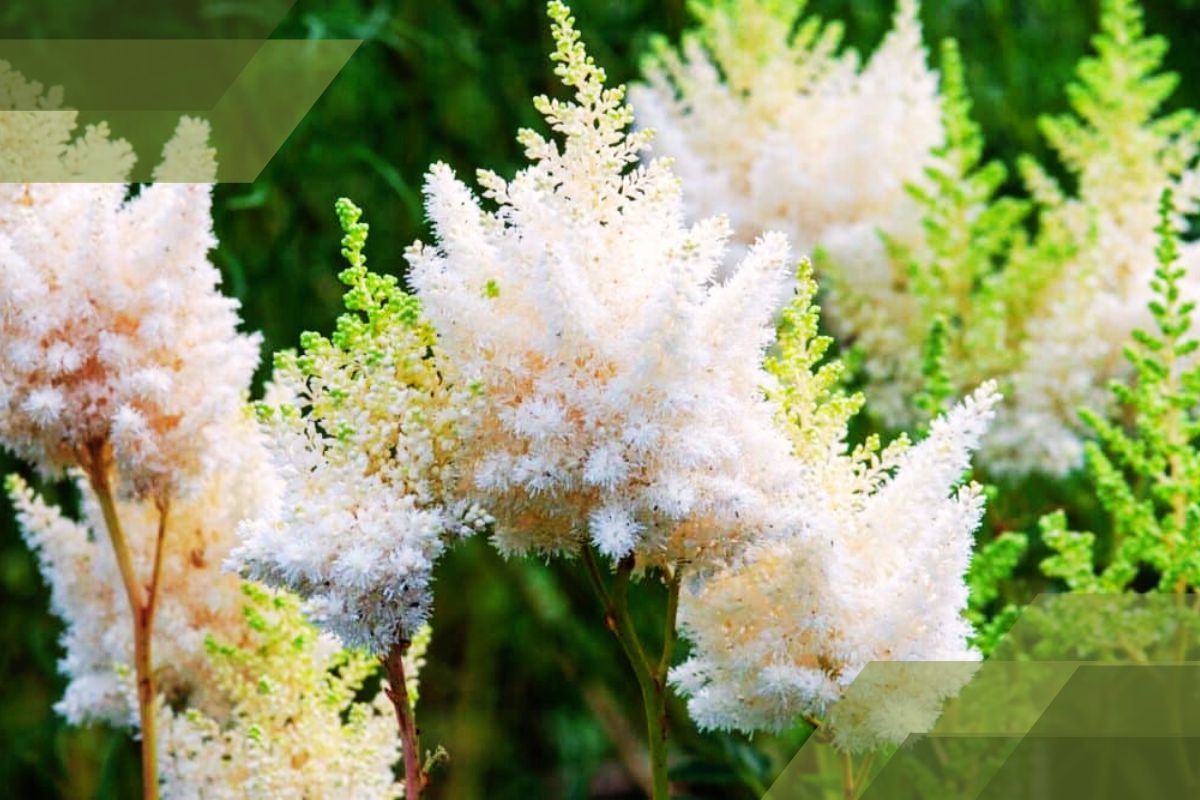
523 685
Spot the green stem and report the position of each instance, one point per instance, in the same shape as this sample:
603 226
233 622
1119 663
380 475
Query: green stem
580 650
854 779
664 662
651 675
849 790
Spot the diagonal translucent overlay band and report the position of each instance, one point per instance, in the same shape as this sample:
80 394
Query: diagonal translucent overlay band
1087 696
253 93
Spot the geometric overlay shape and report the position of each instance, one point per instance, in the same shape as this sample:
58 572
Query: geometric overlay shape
1087 696
252 92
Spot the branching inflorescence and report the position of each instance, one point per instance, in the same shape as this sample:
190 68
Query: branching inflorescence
909 231
622 406
119 356
365 430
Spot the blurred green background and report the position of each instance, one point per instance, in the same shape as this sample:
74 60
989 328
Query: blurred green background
523 685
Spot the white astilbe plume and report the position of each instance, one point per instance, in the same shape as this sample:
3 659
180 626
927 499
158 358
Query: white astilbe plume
621 389
767 119
945 288
363 428
254 702
875 573
1121 153
112 329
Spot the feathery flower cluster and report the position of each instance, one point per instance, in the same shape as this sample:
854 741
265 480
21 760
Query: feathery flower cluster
294 727
874 574
621 389
923 236
1121 153
100 293
364 428
764 117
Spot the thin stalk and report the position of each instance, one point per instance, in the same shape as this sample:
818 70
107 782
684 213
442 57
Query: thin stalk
651 675
854 779
864 770
601 702
664 662
576 652
142 603
849 788
415 777
597 582
163 507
